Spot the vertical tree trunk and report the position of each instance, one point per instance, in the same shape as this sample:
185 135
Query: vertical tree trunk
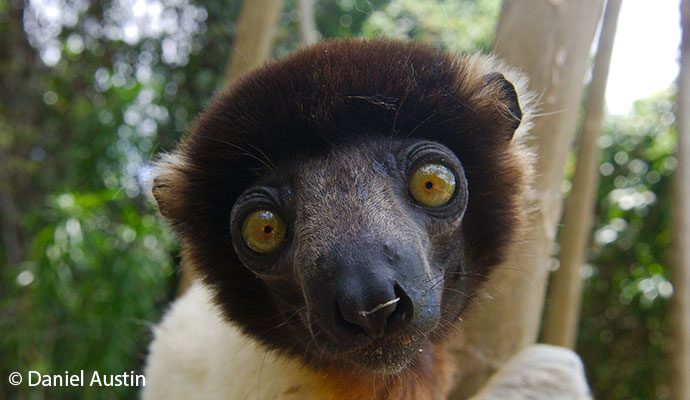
8 226
563 302
307 26
550 42
254 36
680 382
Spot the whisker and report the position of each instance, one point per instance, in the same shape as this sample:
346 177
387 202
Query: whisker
244 151
460 292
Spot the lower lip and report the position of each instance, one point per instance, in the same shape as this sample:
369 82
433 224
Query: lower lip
390 341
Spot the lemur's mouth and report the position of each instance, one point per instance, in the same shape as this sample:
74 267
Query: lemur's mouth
387 355
393 340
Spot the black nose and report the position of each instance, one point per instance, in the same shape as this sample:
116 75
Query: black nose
375 306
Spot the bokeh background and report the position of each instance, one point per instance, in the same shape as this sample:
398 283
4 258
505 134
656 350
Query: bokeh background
92 91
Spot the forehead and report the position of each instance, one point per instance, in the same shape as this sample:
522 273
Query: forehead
350 163
347 176
348 173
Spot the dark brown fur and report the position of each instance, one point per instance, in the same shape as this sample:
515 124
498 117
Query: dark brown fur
302 107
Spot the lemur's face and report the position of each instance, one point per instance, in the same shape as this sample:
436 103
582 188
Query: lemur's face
360 247
343 204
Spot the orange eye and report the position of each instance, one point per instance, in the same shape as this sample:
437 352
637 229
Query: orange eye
263 231
432 185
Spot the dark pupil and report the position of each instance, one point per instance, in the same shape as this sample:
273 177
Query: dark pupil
429 185
267 229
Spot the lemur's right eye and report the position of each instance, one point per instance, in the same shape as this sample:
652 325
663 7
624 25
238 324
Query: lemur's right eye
263 231
432 185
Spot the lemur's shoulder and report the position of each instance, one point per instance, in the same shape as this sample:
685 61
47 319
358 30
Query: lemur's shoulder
195 354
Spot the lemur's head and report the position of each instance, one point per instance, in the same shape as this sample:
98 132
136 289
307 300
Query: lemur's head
344 203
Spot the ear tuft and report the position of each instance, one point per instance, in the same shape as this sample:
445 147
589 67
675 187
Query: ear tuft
166 183
510 106
158 190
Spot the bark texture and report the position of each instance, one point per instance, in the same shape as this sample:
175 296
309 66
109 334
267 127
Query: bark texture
550 42
680 381
565 287
254 36
307 26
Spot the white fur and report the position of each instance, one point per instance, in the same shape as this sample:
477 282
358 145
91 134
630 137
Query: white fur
195 354
539 372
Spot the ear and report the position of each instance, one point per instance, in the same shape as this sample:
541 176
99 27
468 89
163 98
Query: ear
507 98
166 184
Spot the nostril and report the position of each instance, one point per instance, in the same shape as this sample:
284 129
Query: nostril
403 313
372 321
350 328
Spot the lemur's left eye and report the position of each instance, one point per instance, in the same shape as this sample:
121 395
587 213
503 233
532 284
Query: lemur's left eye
432 185
263 231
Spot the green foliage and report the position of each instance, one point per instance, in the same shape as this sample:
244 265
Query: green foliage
624 326
452 25
94 278
96 267
345 18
